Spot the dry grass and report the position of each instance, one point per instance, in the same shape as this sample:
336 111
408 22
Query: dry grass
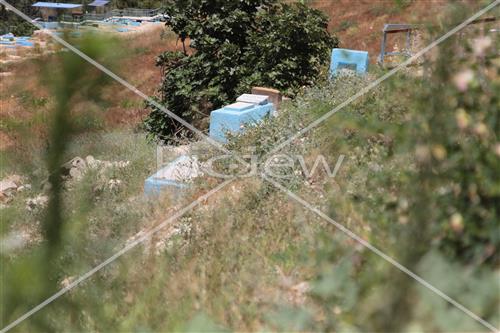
359 24
25 101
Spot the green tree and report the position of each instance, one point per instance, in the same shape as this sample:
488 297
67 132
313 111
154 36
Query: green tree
149 4
11 23
236 44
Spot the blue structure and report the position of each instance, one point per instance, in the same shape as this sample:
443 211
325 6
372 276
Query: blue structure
232 118
56 5
98 3
173 176
350 59
155 186
48 25
11 40
25 43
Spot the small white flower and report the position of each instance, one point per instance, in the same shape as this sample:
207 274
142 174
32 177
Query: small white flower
463 79
481 44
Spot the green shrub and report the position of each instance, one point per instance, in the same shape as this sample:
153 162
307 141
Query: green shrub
458 151
11 23
237 45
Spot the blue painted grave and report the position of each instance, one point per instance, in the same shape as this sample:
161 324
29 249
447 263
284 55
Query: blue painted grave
350 59
249 109
174 176
48 25
25 43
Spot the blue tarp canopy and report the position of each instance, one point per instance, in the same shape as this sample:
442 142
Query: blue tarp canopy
56 5
98 3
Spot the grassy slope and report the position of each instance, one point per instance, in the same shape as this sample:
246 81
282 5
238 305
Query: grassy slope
25 100
359 23
248 258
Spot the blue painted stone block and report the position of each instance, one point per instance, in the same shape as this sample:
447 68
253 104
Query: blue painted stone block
232 118
155 186
172 177
25 43
351 59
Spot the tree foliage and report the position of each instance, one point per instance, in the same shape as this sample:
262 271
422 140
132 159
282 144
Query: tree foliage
236 45
458 150
11 23
147 4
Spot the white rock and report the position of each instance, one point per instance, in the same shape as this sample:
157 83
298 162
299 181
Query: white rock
122 164
79 163
39 201
76 173
16 179
184 168
114 184
91 162
24 187
7 185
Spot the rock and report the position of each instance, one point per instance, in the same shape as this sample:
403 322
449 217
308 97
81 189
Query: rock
77 162
7 185
4 198
91 162
10 183
24 187
76 173
16 179
114 184
66 282
75 169
39 201
122 164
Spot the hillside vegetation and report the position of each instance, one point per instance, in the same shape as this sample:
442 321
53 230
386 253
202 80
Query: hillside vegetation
419 182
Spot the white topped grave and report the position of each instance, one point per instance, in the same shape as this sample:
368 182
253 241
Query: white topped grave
182 169
253 99
239 106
